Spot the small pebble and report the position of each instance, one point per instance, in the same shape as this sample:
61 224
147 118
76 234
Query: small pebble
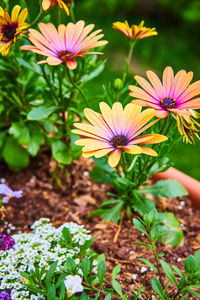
32 180
2 180
85 173
179 259
143 234
180 207
131 252
134 276
143 270
182 203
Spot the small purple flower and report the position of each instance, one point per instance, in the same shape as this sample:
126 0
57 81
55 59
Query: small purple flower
5 296
6 243
8 193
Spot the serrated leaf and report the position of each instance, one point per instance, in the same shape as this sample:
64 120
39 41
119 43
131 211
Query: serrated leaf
166 188
149 264
168 271
101 271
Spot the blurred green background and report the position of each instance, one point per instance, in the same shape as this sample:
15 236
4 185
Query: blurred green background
177 45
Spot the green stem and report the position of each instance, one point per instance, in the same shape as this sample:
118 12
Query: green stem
48 81
58 15
123 163
72 12
149 157
38 18
77 87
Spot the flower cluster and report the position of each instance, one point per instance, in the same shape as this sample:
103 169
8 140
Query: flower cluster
6 242
8 193
38 249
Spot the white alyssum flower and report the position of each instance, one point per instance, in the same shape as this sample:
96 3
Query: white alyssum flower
73 284
40 249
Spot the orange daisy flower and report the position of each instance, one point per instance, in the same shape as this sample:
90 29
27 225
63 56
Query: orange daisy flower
65 45
175 95
47 4
135 31
11 27
115 130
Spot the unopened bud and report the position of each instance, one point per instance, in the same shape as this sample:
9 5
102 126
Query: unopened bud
118 85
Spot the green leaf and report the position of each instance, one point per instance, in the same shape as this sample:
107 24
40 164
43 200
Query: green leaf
168 271
141 204
102 172
100 67
61 152
85 267
50 274
189 265
15 155
149 264
166 188
87 244
116 271
70 264
193 292
172 225
66 235
139 226
20 132
35 68
108 297
84 297
40 112
178 271
157 287
35 142
117 287
101 271
51 293
113 213
143 244
197 259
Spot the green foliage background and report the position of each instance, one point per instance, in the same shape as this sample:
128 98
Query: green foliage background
177 45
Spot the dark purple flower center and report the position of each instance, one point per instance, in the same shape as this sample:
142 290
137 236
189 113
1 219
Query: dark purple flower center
168 103
5 296
9 31
119 140
64 54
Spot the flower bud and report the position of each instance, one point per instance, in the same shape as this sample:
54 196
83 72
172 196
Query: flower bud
118 85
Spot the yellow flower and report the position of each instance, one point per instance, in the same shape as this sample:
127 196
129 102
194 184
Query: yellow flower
47 4
135 31
116 130
11 27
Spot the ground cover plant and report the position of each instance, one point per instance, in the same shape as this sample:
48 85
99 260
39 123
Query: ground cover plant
44 107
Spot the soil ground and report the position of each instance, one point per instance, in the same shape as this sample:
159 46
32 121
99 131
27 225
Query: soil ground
79 196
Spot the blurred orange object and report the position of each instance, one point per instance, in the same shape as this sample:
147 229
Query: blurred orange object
192 185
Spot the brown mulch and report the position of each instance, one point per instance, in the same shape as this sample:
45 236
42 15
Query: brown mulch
79 196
